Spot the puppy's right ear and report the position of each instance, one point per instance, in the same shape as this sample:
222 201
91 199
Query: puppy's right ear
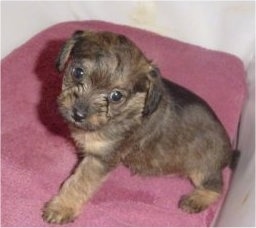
66 50
154 92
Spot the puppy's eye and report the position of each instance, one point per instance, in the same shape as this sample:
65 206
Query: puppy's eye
115 96
78 73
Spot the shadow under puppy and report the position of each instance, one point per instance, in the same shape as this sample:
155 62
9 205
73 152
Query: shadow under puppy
120 110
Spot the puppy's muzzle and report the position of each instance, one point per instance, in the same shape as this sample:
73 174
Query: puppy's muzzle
79 112
78 116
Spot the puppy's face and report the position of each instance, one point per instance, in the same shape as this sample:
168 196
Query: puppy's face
106 80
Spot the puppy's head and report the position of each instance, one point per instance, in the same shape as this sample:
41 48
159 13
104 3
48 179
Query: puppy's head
107 79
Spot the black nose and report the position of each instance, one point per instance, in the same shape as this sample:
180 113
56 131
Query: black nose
78 115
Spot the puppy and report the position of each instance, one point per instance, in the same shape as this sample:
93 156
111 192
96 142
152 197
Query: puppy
120 110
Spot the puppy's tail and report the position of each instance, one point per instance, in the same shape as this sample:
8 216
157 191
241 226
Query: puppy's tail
235 156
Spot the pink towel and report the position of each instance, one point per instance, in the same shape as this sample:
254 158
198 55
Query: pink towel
37 153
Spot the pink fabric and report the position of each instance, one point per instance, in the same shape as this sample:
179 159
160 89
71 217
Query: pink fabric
37 153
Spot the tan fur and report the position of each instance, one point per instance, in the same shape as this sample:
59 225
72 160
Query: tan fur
198 200
155 127
91 142
75 192
196 177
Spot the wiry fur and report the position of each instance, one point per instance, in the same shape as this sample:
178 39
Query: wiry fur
158 127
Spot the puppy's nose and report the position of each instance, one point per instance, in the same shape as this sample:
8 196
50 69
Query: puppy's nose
78 115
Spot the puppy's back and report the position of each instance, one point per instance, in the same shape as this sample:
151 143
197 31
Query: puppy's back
198 120
184 97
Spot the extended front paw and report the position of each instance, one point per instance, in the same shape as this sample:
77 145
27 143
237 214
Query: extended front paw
56 211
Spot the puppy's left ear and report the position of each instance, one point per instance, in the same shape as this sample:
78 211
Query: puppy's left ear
66 50
155 91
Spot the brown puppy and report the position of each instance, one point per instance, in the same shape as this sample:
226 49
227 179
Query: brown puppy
120 110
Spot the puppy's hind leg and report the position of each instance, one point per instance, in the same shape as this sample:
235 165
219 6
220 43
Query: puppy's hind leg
207 190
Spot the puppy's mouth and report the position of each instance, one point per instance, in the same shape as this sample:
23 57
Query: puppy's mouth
85 126
77 119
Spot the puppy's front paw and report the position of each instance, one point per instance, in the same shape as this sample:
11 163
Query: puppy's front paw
57 212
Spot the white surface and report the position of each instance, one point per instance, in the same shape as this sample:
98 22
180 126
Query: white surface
226 26
239 207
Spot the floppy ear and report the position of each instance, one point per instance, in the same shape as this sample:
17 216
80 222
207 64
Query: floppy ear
66 50
154 92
